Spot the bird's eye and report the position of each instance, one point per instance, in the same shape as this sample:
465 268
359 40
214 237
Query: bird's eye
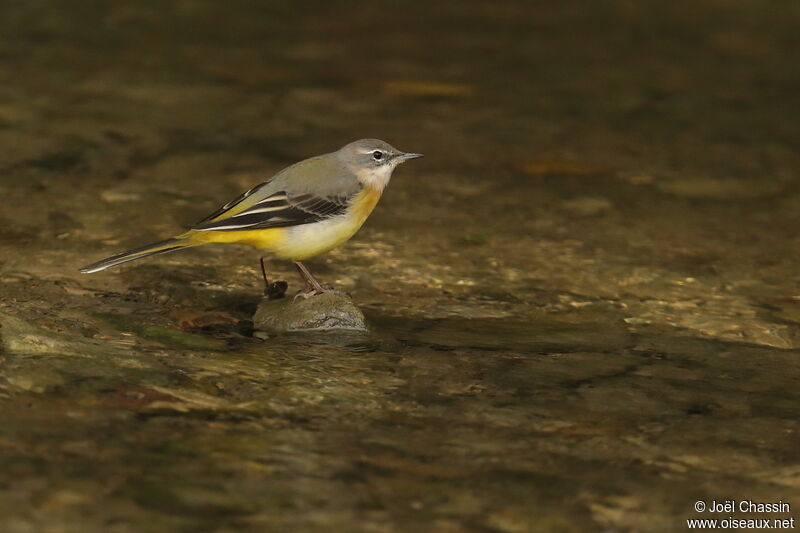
377 155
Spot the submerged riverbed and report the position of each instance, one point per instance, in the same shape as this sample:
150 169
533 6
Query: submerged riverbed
584 300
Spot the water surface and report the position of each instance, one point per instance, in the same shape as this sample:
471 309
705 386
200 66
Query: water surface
585 299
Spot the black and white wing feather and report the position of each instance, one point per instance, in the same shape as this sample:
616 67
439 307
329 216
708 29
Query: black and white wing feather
233 203
278 210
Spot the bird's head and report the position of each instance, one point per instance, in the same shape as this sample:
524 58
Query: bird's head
373 160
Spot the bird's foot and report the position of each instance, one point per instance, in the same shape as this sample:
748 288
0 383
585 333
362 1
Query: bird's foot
314 291
273 290
305 295
276 290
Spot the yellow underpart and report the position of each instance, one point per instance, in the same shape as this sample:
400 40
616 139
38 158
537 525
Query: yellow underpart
364 203
265 239
299 242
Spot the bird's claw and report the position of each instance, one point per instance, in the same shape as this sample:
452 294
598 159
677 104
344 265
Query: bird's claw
305 295
314 291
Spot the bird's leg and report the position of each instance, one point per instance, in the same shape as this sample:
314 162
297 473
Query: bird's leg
264 274
275 290
313 287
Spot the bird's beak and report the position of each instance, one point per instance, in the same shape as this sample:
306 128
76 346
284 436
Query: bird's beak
401 158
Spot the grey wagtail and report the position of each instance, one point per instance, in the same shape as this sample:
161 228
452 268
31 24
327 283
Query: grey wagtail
302 211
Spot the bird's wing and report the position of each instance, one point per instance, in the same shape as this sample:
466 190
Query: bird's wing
280 210
308 191
233 203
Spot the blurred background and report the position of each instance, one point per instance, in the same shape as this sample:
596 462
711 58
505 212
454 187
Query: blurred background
585 299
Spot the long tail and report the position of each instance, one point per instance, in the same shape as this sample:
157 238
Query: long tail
161 247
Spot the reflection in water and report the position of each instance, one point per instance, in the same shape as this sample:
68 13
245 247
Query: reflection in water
584 300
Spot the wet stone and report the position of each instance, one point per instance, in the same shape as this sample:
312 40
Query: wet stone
323 312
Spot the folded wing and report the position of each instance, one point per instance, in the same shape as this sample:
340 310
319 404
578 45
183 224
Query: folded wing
280 209
233 203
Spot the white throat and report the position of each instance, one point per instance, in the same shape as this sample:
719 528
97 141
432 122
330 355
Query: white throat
376 178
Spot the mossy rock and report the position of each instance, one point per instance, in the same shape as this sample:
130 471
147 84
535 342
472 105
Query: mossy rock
323 312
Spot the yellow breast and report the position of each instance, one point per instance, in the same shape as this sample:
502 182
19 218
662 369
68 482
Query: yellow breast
365 202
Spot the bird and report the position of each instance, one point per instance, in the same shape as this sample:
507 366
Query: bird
303 211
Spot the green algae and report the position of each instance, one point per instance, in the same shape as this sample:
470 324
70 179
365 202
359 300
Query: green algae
168 336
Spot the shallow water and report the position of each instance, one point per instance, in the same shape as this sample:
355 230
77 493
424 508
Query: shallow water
585 300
